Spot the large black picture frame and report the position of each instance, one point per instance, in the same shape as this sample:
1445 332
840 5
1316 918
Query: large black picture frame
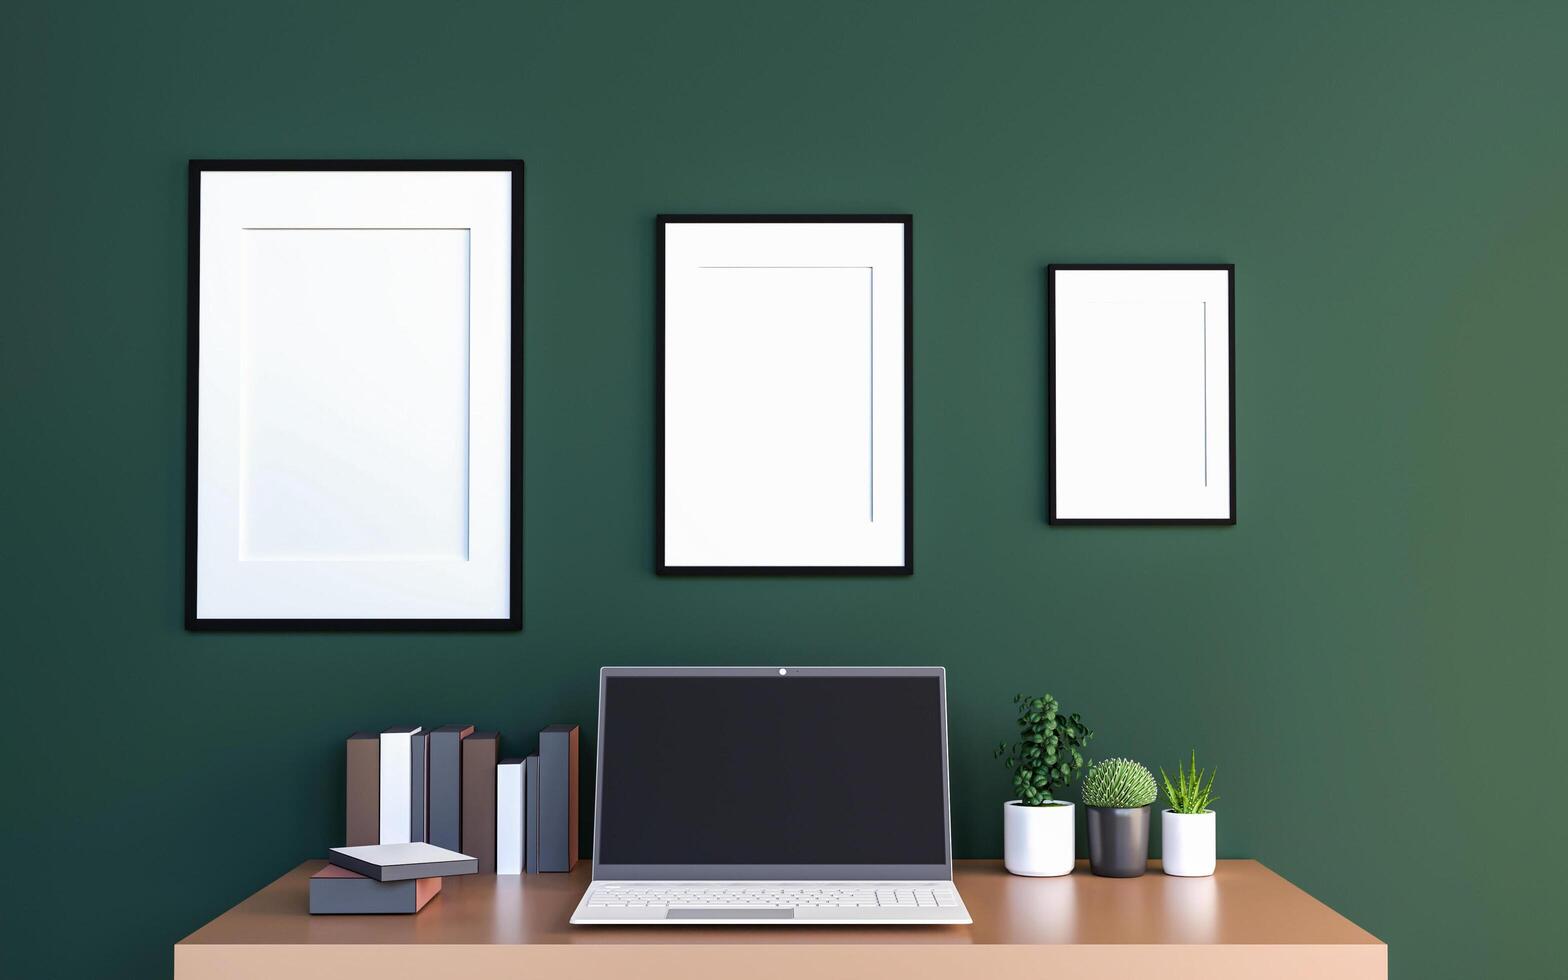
513 621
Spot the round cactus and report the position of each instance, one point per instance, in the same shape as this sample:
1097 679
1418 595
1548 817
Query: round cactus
1118 783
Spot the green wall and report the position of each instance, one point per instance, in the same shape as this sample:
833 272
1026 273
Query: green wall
1372 656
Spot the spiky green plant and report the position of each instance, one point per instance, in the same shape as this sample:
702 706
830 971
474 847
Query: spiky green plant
1190 794
1045 759
1118 783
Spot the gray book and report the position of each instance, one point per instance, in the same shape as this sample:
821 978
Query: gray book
445 800
531 813
339 891
558 798
400 862
419 787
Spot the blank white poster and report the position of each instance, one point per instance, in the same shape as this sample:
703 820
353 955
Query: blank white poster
1140 395
783 408
355 416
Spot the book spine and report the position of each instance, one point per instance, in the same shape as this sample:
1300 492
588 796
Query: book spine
573 799
509 792
361 896
531 813
428 869
362 799
479 761
396 780
446 785
558 798
419 787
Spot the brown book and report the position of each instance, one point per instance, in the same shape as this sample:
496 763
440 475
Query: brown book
481 752
362 802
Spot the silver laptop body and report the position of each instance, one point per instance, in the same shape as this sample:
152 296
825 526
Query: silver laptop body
772 795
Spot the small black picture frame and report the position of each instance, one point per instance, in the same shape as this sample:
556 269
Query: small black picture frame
893 553
1106 467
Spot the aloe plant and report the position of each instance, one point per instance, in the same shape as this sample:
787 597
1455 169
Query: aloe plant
1119 783
1190 794
1047 757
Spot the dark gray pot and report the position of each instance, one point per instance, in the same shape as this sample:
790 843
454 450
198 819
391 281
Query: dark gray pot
1118 841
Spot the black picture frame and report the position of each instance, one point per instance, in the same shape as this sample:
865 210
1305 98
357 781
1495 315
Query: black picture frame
511 622
661 566
1051 382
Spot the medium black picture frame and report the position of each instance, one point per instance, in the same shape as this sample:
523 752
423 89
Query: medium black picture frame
1051 272
513 621
662 566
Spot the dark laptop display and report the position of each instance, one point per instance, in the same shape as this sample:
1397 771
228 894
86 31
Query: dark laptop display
769 770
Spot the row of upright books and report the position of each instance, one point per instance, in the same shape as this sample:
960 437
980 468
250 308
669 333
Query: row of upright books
450 787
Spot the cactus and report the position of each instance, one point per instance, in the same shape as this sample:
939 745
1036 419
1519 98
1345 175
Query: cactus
1046 758
1118 783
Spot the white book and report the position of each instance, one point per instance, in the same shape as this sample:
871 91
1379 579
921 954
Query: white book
396 784
401 862
510 795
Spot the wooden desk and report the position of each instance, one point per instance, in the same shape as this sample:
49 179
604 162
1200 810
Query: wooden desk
1246 921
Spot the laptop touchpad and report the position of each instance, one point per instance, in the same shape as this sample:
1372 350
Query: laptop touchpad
731 912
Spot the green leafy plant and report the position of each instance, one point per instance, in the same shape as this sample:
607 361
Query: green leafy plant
1118 783
1046 758
1190 794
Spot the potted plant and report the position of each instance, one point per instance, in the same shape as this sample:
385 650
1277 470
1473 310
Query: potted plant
1037 828
1118 793
1187 828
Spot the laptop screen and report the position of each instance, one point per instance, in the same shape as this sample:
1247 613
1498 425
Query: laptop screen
813 772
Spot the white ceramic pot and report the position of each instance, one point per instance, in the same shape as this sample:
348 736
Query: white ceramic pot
1038 840
1188 843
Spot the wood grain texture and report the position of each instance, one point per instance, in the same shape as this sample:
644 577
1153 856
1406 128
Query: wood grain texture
1246 921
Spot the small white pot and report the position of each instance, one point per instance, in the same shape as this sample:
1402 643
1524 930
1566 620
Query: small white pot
1188 843
1038 840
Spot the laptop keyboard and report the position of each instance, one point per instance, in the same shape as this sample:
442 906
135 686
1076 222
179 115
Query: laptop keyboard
773 896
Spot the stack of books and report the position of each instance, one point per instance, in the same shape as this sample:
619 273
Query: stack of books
384 878
450 788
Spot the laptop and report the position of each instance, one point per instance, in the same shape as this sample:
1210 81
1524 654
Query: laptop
772 795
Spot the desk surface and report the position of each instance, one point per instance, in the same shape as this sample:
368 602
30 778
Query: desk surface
1244 921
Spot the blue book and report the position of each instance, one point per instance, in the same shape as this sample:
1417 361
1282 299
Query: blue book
531 813
419 787
558 798
445 801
